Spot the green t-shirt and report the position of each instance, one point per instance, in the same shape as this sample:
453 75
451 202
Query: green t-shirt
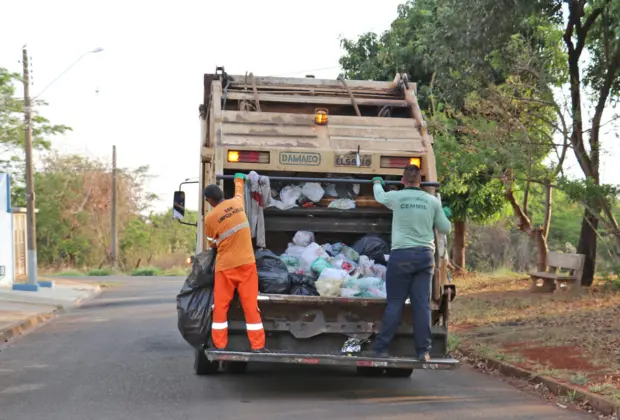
416 214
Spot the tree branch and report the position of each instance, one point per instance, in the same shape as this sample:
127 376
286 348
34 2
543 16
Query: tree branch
600 106
523 222
548 207
582 31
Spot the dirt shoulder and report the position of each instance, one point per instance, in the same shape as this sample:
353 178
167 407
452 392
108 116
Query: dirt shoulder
572 339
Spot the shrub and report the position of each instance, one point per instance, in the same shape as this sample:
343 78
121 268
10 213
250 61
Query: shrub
69 273
100 272
146 271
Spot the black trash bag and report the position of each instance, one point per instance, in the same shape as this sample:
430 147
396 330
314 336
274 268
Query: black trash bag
302 285
373 247
272 273
195 300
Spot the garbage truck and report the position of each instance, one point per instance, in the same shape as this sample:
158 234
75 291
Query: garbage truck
342 132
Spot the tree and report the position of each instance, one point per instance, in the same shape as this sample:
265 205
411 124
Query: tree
421 43
468 183
593 26
465 35
74 199
12 140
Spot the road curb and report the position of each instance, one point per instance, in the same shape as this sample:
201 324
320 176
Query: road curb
25 325
597 402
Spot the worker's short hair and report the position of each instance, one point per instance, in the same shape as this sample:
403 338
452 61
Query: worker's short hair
213 192
411 174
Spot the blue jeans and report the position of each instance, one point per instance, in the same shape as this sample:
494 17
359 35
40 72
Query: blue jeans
409 274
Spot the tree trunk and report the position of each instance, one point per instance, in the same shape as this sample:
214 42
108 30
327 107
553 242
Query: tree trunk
458 247
587 246
541 245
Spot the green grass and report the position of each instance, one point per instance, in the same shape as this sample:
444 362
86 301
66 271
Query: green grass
453 341
579 379
604 389
69 273
147 271
100 272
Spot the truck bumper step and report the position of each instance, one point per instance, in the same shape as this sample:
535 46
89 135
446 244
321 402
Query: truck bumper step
332 360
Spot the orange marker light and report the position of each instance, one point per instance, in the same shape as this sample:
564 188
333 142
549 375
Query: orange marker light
320 118
415 161
233 156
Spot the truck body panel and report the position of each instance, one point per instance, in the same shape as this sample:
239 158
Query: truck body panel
269 125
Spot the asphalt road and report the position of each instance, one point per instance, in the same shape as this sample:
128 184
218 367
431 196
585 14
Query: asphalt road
121 357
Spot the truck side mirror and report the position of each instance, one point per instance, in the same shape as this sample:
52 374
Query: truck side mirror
178 207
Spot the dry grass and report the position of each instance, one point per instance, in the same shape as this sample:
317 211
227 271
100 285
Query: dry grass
575 339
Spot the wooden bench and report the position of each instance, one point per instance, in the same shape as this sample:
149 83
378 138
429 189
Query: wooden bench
553 280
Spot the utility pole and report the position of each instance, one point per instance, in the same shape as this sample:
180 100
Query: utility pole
114 249
31 227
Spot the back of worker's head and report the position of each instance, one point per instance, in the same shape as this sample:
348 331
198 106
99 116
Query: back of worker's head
213 194
411 176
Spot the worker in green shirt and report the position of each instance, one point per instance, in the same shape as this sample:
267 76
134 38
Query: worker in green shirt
412 260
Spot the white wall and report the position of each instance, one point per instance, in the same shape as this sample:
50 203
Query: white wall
6 230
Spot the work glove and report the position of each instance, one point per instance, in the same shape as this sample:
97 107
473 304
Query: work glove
378 179
240 176
447 212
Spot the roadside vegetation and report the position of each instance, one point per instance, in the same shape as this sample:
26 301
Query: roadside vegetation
573 339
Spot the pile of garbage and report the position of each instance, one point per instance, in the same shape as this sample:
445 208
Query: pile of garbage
333 270
309 194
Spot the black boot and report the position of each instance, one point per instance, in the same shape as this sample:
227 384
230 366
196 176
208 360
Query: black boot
374 354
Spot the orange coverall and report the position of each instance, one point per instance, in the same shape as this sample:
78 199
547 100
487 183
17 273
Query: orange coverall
235 268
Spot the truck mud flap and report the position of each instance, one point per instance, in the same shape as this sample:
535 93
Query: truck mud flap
332 360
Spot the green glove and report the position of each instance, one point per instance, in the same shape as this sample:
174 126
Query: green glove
378 179
447 212
240 176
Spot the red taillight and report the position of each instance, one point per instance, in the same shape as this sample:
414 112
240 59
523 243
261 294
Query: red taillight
244 156
399 161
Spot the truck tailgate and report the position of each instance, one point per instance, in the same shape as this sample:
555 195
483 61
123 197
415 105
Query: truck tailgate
332 360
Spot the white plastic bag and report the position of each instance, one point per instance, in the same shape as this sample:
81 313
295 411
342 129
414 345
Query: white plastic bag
363 283
366 287
290 194
330 281
313 191
280 205
311 253
364 267
342 204
295 250
330 190
348 293
303 238
379 271
343 263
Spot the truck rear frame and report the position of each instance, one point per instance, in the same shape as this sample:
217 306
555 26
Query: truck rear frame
273 122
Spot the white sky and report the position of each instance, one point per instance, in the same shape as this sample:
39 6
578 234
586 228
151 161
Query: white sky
149 76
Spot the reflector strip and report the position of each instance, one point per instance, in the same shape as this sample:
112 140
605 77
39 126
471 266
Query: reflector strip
219 325
254 327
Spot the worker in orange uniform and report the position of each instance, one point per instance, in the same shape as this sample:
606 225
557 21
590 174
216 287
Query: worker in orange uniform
235 265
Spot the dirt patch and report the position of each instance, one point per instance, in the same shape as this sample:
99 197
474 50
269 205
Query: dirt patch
574 339
560 357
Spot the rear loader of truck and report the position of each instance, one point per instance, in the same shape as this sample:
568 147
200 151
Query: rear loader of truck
297 130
